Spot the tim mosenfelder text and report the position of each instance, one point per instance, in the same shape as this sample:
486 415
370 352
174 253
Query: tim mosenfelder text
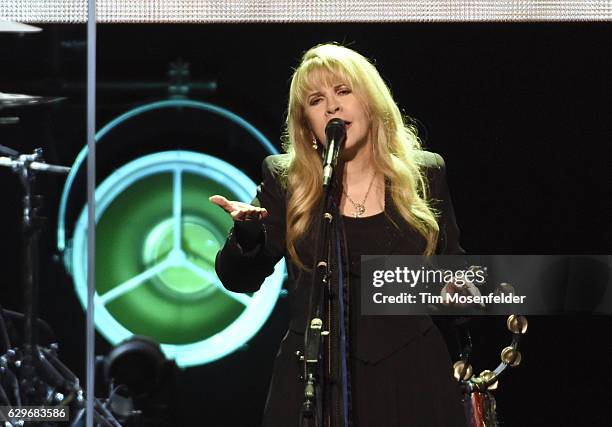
428 298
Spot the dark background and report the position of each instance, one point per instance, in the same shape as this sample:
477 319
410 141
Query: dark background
520 112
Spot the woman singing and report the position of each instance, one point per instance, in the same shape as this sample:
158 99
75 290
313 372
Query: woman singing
393 200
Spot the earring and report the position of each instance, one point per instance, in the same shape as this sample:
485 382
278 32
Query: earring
314 143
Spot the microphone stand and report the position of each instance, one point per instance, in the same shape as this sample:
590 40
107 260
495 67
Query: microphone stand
316 329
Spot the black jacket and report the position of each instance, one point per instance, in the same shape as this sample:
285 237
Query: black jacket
245 270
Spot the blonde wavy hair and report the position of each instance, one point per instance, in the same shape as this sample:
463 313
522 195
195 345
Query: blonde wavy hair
394 144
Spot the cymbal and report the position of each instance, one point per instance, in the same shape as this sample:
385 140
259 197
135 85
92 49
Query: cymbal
16 27
18 100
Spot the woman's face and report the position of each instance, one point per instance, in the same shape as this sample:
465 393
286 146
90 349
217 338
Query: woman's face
334 99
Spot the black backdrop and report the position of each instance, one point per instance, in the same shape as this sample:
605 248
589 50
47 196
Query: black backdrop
519 111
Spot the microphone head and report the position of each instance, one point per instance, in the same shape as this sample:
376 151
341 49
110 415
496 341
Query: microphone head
336 130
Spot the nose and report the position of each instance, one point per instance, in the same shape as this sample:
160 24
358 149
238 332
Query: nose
333 106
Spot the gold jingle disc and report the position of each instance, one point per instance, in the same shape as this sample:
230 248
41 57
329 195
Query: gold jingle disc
517 324
511 357
462 371
488 377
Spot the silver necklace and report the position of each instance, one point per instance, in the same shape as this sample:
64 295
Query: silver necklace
360 207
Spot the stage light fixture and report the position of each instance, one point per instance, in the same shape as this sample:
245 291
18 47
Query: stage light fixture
156 240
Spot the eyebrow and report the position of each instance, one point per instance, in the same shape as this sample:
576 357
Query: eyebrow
317 93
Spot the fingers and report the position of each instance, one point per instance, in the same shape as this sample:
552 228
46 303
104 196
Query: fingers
249 213
239 211
220 201
263 213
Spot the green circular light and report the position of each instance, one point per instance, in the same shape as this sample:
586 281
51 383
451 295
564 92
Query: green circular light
157 238
139 281
203 242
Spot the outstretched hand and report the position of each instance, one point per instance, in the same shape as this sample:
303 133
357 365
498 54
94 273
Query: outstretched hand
239 211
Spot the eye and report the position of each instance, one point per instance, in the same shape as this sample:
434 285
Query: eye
344 91
315 101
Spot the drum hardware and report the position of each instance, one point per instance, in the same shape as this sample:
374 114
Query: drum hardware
25 165
40 375
33 375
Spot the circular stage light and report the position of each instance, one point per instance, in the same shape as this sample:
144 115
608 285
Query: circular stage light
157 237
156 240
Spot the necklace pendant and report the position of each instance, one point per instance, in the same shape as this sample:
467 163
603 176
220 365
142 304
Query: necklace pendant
359 210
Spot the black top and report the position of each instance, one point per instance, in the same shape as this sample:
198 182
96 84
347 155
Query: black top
363 236
402 367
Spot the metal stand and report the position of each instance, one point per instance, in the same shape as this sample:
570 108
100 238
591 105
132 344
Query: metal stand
312 407
33 374
31 390
31 228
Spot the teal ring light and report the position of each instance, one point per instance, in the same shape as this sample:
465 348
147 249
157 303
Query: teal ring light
164 284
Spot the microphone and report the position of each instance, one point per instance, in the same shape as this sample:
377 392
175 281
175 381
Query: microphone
335 132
